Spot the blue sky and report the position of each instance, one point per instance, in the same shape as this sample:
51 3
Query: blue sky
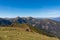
26 8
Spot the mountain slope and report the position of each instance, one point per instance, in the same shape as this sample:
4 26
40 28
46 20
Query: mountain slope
17 33
47 26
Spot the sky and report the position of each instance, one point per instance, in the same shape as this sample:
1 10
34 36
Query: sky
33 8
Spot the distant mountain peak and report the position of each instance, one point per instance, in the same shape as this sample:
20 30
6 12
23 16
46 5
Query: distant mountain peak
17 17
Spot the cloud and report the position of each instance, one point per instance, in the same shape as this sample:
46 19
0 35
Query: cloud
53 12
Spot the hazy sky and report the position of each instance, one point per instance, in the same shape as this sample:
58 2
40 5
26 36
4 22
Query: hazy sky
34 8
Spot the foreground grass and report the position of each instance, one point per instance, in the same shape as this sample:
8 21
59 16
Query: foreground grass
13 33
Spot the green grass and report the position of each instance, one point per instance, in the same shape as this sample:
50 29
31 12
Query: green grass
16 33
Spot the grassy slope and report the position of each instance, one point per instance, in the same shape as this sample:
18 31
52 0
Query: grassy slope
15 33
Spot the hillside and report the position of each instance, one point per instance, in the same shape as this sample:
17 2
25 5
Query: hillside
16 33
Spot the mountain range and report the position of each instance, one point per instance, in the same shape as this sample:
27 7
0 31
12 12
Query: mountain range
56 18
46 26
